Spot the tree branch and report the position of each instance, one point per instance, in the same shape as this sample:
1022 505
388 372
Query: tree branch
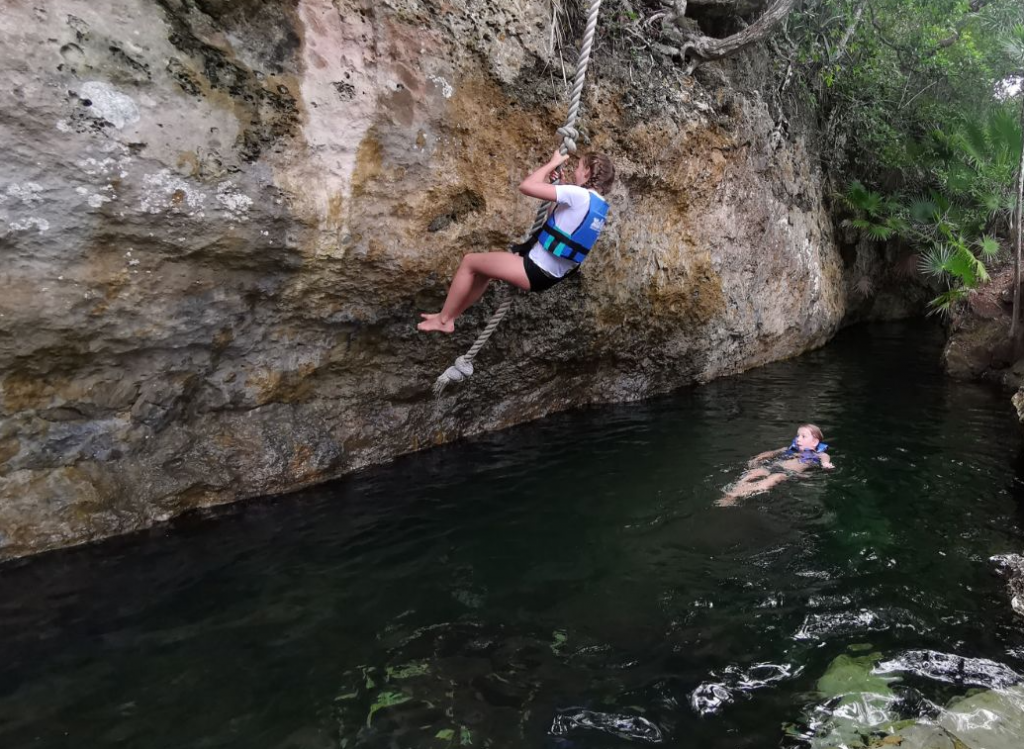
700 48
848 34
949 41
899 50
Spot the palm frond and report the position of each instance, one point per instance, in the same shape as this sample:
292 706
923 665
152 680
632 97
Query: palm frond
972 143
935 262
1013 44
879 232
988 246
860 198
942 202
992 202
980 270
898 224
876 231
924 211
1004 131
963 266
947 301
960 177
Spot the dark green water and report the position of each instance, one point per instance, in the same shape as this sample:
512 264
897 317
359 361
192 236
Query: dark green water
570 583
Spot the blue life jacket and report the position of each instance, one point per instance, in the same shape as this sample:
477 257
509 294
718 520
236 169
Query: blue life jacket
576 245
806 456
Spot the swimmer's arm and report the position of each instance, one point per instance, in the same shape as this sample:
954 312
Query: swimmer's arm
537 185
765 455
826 461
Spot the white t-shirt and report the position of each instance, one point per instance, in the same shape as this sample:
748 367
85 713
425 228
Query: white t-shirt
573 204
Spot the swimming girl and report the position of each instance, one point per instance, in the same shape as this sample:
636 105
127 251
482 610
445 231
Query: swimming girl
806 450
554 252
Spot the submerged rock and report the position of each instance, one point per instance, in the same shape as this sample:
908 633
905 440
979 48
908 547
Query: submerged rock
1012 568
858 703
919 736
992 719
220 220
862 710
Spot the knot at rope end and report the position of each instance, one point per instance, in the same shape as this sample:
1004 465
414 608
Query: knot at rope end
569 135
461 370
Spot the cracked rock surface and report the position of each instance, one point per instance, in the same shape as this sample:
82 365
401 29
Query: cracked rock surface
219 220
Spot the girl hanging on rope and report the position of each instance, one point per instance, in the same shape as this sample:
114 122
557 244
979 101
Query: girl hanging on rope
557 249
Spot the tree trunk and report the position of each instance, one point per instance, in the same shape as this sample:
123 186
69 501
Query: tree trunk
848 35
700 49
1015 335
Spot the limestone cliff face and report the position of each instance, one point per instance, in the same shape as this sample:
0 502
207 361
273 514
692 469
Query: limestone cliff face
219 220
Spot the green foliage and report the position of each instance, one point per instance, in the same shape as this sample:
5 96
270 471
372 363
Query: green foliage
407 671
988 246
948 300
1013 44
385 700
915 96
935 262
969 172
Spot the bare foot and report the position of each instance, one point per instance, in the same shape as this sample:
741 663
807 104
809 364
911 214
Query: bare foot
432 323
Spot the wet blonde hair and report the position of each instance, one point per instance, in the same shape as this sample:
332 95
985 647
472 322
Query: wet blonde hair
602 172
815 431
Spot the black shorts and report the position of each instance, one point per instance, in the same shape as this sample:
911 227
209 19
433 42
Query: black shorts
540 280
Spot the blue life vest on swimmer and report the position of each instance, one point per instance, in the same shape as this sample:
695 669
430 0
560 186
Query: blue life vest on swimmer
813 457
580 242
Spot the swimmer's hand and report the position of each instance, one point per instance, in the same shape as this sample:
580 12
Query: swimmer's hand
828 466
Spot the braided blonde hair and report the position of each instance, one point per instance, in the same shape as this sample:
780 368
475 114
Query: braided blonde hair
602 172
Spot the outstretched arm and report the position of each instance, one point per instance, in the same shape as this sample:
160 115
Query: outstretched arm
538 185
826 461
765 455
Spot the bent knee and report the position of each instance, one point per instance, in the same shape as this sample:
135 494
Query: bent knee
470 262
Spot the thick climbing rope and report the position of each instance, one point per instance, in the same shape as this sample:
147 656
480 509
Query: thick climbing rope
463 367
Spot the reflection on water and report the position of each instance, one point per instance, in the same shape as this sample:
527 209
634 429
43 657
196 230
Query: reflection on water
954 669
711 696
624 726
567 583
